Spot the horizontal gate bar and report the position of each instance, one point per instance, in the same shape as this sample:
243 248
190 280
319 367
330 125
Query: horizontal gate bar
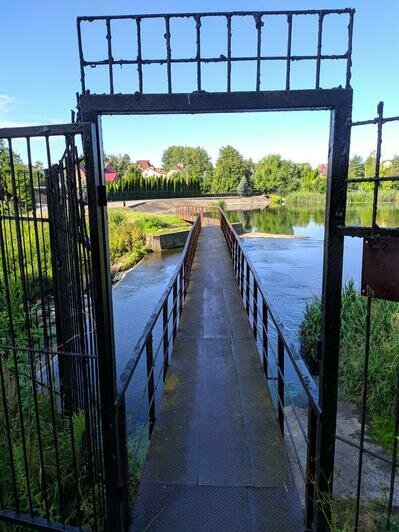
215 102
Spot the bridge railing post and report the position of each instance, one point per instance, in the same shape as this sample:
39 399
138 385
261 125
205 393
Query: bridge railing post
255 311
165 325
247 288
310 481
280 382
242 273
150 384
174 303
181 288
123 462
265 350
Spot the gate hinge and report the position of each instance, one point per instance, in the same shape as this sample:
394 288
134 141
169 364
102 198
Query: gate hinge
102 195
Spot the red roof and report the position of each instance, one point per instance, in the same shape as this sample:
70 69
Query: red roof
110 173
144 164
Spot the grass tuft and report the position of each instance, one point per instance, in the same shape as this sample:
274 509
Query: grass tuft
384 355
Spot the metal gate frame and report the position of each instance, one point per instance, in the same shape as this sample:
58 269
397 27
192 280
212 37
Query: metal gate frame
102 306
339 102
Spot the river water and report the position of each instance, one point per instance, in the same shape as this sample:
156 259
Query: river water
290 270
135 297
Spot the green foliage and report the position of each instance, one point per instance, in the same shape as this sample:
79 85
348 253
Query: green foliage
274 174
71 443
384 354
121 163
195 161
133 185
303 199
245 187
127 232
356 167
15 187
230 169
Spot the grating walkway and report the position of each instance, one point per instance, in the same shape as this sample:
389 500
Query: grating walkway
216 460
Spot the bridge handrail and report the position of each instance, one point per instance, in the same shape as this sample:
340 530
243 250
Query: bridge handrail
301 370
181 276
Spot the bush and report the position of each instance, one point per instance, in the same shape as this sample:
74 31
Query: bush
384 354
127 232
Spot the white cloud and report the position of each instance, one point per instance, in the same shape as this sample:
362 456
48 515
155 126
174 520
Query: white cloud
6 103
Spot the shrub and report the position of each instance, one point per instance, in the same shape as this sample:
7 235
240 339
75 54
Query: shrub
384 354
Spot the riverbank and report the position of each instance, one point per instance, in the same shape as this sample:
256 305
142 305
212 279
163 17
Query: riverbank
128 230
169 205
355 197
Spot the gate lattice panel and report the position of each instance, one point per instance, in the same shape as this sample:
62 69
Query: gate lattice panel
50 418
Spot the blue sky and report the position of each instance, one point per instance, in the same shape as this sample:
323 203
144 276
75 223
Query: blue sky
39 75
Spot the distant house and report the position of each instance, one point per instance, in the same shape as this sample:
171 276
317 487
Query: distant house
110 173
148 169
323 168
177 169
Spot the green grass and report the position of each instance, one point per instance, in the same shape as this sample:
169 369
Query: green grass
304 199
127 232
219 203
384 356
355 197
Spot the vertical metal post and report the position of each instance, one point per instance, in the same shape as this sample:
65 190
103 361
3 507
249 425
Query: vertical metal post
174 303
340 130
255 312
150 384
247 288
280 382
310 492
181 290
242 274
104 320
165 325
123 462
265 339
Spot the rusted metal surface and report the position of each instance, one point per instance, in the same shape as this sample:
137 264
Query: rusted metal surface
380 272
166 57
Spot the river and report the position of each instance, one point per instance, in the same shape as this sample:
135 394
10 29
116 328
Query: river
290 270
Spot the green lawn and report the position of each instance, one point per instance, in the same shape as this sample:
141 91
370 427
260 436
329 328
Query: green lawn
127 232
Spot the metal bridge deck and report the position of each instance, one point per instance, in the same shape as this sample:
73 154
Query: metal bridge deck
216 460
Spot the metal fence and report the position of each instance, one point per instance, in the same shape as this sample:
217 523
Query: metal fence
195 23
51 457
280 357
141 382
379 286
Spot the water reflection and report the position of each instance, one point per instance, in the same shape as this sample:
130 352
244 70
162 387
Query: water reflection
308 221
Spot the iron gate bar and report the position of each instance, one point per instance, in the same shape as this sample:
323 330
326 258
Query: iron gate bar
99 291
227 58
369 233
93 105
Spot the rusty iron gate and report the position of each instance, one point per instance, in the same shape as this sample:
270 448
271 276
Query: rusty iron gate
380 289
54 264
134 99
56 335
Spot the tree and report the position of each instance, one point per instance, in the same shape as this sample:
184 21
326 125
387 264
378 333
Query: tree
356 167
230 168
195 161
120 163
274 174
17 181
245 187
